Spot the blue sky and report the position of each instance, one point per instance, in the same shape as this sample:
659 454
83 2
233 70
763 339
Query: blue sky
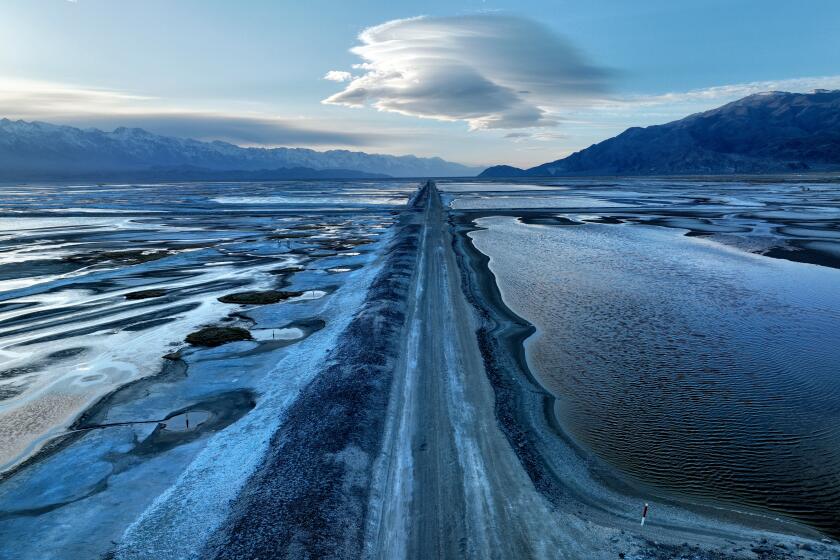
478 82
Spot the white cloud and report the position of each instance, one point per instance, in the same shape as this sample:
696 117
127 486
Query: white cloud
609 116
39 99
717 95
84 106
338 76
492 71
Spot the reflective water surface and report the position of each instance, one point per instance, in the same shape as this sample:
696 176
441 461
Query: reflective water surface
687 361
78 264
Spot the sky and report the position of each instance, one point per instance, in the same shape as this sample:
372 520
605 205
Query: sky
479 82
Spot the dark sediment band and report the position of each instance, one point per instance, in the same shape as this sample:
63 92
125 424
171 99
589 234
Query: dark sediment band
523 407
309 498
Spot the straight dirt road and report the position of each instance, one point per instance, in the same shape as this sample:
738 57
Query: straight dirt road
448 484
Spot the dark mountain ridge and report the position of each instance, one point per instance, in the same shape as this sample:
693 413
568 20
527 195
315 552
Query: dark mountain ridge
37 150
769 132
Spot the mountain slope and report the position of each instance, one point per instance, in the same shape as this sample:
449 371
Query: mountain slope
503 171
762 133
42 150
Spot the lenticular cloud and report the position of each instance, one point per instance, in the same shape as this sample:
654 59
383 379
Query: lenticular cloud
492 71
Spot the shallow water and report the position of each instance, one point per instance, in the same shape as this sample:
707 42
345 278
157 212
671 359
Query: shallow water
70 258
703 370
505 201
82 363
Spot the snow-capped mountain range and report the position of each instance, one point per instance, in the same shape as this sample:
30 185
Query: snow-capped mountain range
43 151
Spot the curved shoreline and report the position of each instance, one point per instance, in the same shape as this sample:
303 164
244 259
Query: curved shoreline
545 450
410 427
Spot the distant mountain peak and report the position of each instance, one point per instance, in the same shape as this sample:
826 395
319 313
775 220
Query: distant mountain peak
503 171
43 150
132 131
768 132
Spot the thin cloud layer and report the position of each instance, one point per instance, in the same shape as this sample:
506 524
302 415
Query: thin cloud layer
731 92
620 112
103 108
243 130
37 99
492 71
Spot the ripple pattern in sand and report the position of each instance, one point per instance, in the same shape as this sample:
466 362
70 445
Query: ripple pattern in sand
697 368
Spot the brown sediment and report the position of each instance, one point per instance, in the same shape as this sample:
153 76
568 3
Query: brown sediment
289 235
801 253
550 220
344 244
146 294
305 227
259 297
604 220
216 336
287 269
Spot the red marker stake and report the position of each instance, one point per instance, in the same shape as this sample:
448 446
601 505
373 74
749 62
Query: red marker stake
644 514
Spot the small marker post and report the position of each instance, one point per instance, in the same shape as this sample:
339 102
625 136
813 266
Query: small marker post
644 514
